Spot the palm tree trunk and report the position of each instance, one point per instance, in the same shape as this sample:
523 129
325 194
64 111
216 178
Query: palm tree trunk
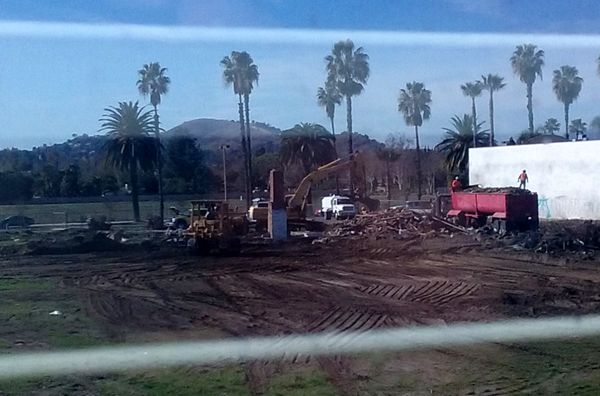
248 140
491 118
133 178
474 111
159 165
530 106
244 150
337 179
567 121
418 162
349 123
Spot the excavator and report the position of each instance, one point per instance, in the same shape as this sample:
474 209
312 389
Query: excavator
296 203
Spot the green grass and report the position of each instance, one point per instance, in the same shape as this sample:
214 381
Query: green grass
301 384
25 317
79 212
182 382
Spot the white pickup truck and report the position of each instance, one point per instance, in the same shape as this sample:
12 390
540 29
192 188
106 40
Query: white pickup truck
337 206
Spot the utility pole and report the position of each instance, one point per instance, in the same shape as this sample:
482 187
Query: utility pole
224 148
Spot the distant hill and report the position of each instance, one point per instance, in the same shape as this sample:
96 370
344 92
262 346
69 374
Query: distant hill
210 134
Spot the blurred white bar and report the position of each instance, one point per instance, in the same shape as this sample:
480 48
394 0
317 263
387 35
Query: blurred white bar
119 358
60 30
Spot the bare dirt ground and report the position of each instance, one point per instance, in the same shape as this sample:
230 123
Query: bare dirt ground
359 284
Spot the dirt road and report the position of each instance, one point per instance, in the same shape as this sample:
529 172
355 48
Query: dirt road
307 288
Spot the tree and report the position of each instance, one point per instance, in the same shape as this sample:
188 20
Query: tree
492 83
578 127
329 97
413 103
527 63
310 144
566 85
186 162
349 69
129 146
70 186
525 135
458 140
389 154
472 90
551 126
240 72
153 81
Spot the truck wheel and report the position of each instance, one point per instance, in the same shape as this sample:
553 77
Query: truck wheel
327 215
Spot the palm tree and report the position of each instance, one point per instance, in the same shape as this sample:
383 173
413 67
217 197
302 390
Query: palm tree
472 90
551 126
129 146
413 103
153 81
250 74
458 140
492 83
527 64
310 144
329 97
349 69
234 74
578 127
566 85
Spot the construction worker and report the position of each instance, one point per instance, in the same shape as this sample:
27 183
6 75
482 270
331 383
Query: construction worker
523 179
456 185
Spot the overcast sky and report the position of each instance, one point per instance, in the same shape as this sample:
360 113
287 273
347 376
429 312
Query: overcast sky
57 77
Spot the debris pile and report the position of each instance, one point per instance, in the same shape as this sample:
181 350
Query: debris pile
402 224
556 238
498 190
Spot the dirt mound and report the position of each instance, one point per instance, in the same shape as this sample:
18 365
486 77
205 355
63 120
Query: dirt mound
498 190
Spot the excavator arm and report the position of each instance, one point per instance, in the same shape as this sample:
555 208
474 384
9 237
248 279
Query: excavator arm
353 163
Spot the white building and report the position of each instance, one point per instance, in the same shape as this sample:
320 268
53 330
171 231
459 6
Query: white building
565 175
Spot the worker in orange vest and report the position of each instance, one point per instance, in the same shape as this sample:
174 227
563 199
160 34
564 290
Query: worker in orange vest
456 184
523 179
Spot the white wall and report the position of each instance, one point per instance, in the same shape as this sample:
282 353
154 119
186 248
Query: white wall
565 175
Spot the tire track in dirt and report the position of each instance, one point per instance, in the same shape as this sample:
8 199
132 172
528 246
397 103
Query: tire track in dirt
435 292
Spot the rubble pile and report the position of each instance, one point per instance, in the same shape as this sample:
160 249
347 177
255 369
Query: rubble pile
498 190
556 238
393 223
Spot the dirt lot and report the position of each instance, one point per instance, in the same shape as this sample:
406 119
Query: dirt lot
358 284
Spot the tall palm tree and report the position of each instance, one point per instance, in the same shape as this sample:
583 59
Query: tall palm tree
566 85
129 146
329 97
310 144
458 140
472 90
249 74
578 127
527 63
153 81
492 83
413 103
349 68
551 126
233 74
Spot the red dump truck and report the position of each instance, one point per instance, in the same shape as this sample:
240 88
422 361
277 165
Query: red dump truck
507 209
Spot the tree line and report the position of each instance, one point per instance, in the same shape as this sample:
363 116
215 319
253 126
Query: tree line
133 145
